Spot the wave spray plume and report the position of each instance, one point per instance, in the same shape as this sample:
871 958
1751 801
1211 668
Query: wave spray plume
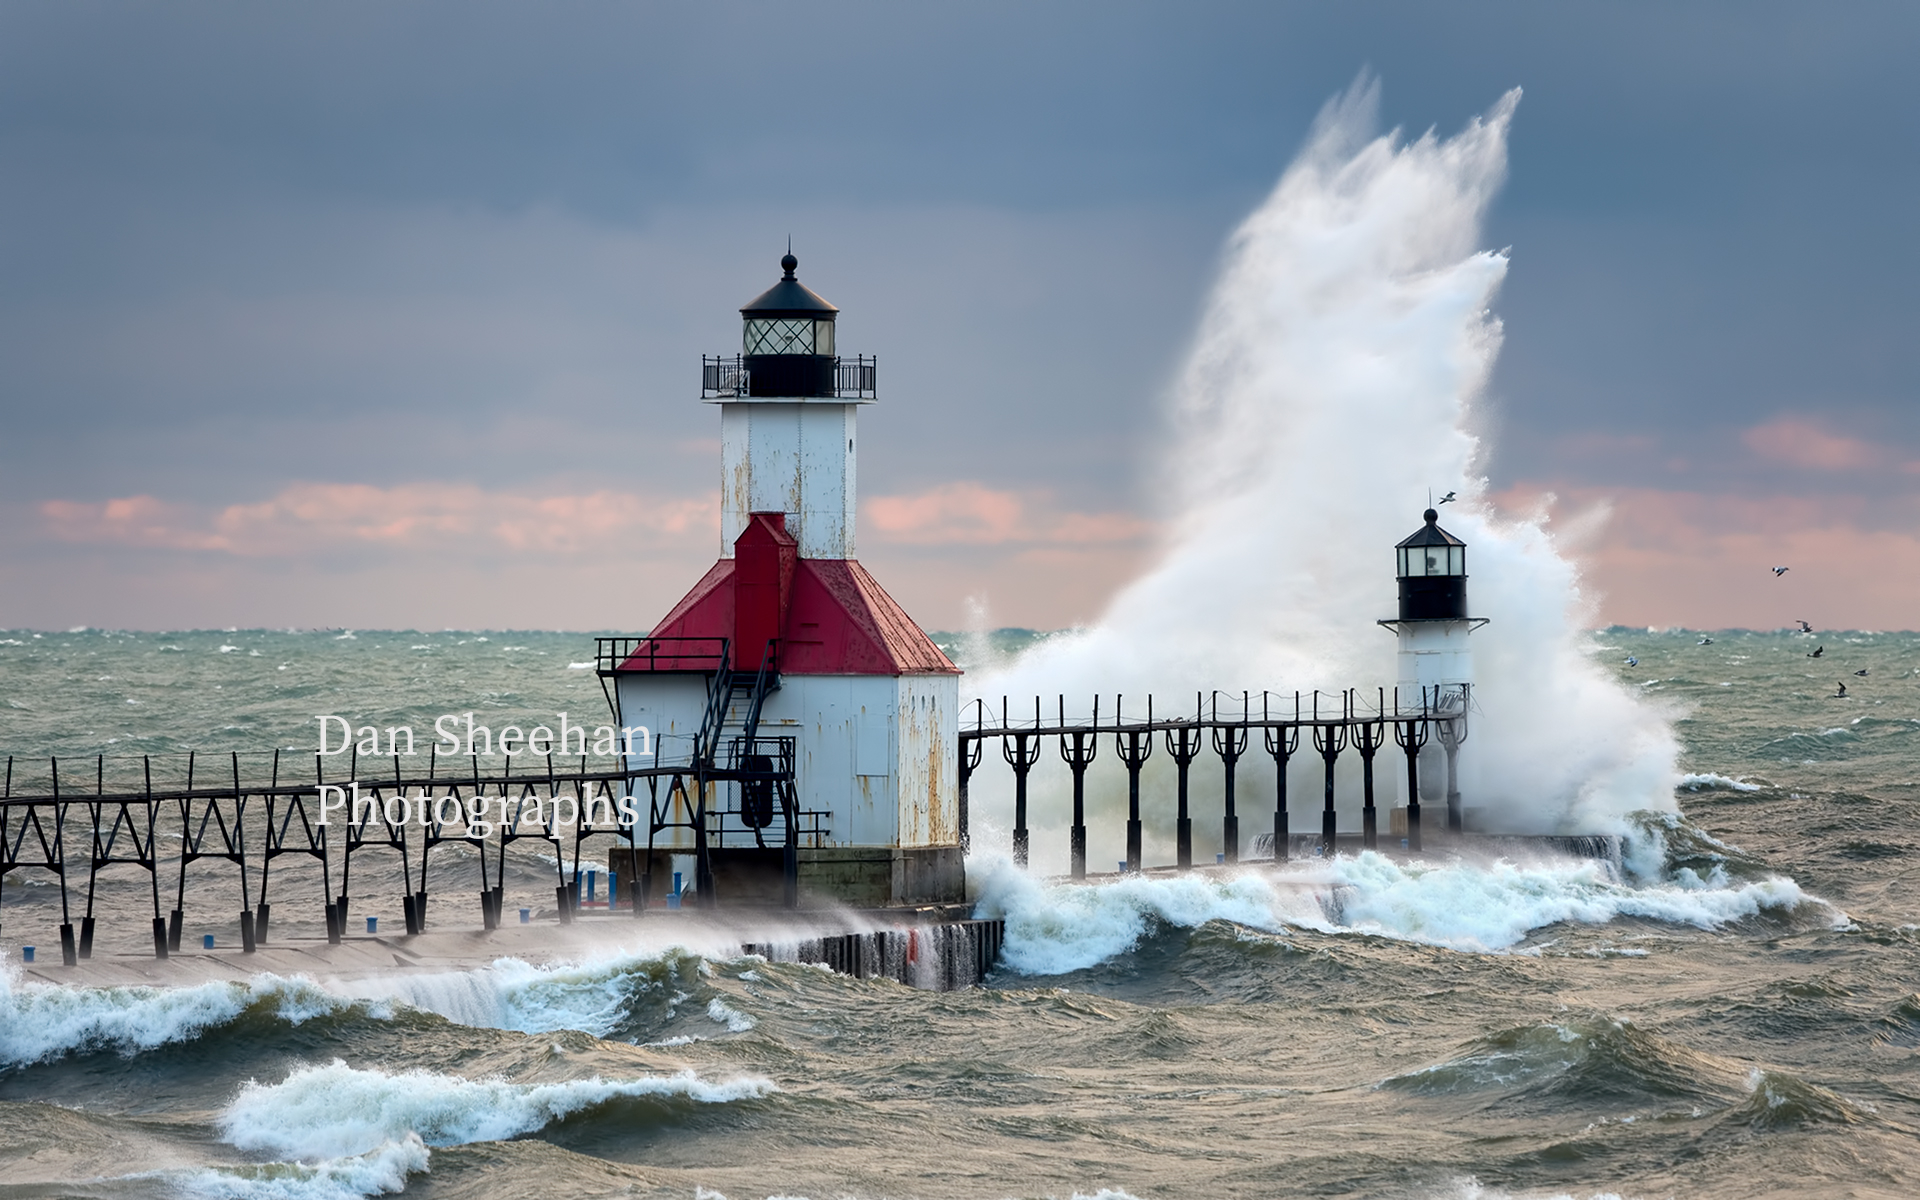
1335 378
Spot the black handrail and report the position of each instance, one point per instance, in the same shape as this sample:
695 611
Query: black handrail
724 377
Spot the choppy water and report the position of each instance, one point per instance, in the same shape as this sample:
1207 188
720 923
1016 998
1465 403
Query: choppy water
1736 1016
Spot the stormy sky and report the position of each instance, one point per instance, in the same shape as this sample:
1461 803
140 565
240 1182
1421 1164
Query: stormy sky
374 314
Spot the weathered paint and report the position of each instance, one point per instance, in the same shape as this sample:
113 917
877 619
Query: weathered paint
927 737
823 713
791 456
1433 654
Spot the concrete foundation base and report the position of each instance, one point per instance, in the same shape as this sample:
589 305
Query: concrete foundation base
852 876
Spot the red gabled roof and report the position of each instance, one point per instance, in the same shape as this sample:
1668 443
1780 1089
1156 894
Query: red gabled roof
839 621
842 622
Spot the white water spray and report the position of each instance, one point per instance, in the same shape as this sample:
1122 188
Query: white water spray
1333 381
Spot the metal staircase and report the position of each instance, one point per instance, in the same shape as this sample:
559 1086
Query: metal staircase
727 690
731 751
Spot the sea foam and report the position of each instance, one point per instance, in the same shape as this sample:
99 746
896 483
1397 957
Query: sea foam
595 995
42 1021
383 1169
1468 905
337 1111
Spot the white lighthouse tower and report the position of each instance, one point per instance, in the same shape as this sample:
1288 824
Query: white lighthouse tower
1436 662
788 637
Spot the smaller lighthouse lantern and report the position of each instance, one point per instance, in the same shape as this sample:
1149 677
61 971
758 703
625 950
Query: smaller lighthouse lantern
1433 574
1436 662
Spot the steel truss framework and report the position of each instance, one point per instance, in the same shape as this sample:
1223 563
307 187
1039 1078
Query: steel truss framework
74 826
1332 723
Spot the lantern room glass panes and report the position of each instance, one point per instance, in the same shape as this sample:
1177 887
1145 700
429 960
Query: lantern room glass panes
1432 560
788 335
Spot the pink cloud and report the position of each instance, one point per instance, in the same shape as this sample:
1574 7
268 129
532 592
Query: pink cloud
1798 443
307 517
968 513
1701 560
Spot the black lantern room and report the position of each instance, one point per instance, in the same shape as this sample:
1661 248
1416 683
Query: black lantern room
1433 574
787 340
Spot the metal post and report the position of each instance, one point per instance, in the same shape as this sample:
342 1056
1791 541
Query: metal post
1135 747
1230 742
1453 731
1368 736
1021 750
69 954
1329 739
1281 742
247 945
1410 735
153 853
1183 744
1078 749
1451 745
264 911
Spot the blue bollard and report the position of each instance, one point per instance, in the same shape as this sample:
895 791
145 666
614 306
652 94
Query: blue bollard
613 890
676 883
592 877
673 901
26 954
526 916
1220 859
1123 866
373 924
206 941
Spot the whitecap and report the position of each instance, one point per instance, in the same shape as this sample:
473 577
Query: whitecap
40 1022
335 1111
1456 904
1708 781
722 1013
382 1170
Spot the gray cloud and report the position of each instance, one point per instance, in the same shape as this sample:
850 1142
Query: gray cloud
368 243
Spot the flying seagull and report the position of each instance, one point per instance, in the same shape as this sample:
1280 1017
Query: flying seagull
1706 641
1632 661
1444 499
1779 571
1817 652
1842 693
1804 627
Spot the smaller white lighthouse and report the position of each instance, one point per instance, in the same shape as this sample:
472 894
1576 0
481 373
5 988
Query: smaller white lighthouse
1436 662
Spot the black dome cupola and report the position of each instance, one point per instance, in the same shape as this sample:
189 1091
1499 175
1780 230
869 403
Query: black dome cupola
1432 565
787 339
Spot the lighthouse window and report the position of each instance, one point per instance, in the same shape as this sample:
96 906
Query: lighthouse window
782 335
1433 560
823 337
